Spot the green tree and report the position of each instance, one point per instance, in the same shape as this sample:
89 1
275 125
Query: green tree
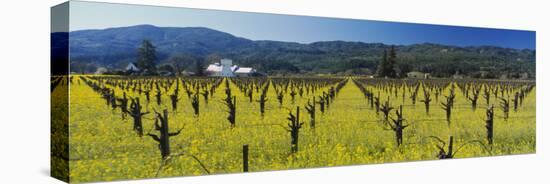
393 68
387 67
213 58
199 67
147 56
167 67
181 62
381 70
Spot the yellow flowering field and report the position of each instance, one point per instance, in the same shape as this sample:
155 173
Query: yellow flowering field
357 121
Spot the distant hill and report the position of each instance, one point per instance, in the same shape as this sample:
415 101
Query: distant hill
115 47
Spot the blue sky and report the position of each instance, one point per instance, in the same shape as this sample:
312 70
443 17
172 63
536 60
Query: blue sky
303 29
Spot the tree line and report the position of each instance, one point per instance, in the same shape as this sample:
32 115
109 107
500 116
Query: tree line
390 61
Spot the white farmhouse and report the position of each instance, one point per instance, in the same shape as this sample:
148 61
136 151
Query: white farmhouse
244 71
226 69
101 71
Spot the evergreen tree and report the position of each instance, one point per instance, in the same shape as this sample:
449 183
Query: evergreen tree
199 67
392 62
147 56
381 70
387 67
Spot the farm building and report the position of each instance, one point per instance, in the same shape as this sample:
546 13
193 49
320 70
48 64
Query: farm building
523 75
418 75
226 69
101 71
457 75
132 67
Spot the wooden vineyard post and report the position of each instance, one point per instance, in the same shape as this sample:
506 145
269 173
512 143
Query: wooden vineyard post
234 111
377 102
450 149
446 154
245 158
489 124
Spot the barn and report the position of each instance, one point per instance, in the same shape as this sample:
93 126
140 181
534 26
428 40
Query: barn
132 67
225 68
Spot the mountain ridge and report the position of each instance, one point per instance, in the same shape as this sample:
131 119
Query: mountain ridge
111 47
